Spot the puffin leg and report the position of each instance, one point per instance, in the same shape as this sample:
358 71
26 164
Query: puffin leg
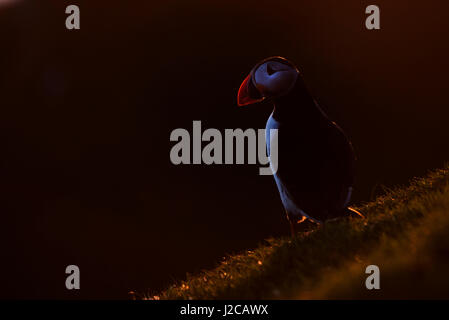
353 211
292 230
293 225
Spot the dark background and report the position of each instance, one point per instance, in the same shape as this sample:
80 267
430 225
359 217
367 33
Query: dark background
85 120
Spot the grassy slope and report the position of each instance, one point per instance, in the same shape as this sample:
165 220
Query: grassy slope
405 233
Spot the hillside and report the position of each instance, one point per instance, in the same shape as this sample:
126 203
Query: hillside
405 233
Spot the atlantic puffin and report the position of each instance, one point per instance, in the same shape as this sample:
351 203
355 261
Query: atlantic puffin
315 169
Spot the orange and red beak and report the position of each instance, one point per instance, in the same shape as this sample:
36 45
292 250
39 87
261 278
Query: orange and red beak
248 93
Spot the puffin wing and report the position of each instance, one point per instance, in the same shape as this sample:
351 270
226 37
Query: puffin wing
315 171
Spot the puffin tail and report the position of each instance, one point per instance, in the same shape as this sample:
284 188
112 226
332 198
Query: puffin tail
353 211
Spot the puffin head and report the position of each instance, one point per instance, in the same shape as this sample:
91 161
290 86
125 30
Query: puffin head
271 78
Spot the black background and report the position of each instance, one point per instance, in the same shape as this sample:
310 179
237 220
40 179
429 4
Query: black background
86 116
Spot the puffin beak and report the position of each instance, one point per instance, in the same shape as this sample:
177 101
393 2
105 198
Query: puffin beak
248 94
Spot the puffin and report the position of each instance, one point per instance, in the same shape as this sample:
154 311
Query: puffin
315 169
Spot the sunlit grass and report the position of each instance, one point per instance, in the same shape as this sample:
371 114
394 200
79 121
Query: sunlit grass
405 233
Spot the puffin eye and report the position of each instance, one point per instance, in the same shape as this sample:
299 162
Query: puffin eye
270 70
